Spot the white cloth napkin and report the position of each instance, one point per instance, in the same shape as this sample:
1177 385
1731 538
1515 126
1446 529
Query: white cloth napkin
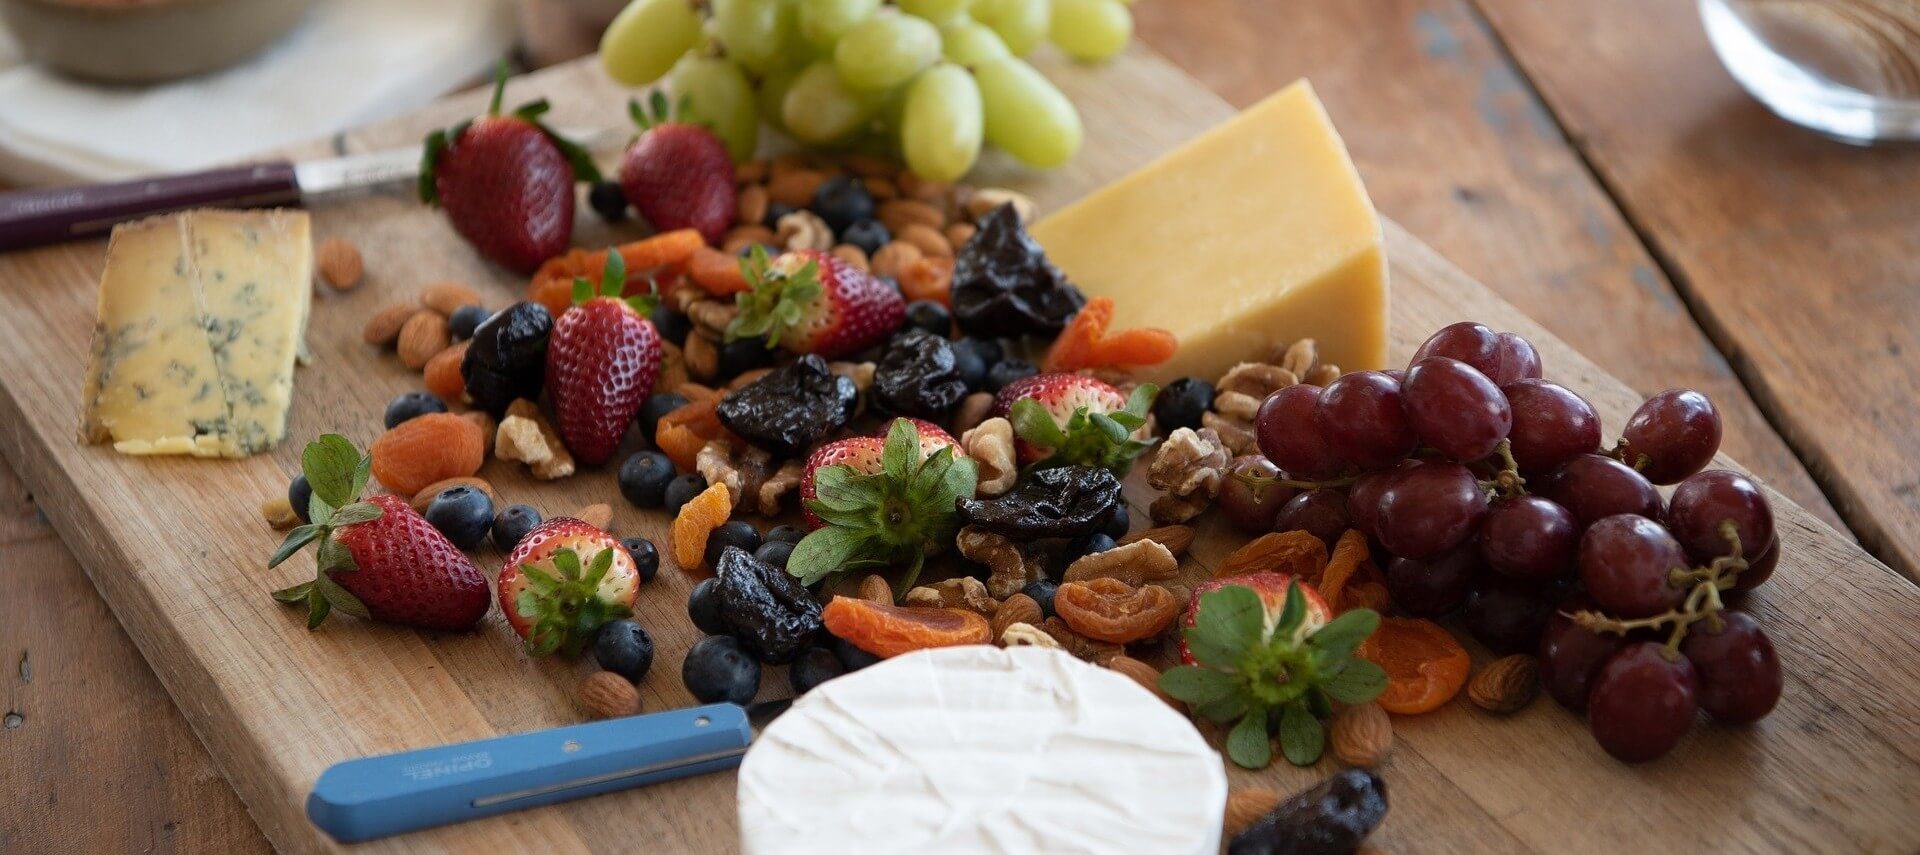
348 63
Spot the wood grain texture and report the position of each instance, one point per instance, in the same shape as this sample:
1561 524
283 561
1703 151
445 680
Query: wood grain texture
1796 253
175 547
1453 143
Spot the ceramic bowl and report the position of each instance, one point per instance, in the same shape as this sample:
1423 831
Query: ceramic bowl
145 41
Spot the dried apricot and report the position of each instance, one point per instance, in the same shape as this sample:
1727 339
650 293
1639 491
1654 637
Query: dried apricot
1425 665
680 444
1073 349
697 519
1086 343
1295 553
700 415
1348 554
928 278
1111 610
425 449
443 374
888 630
552 286
717 272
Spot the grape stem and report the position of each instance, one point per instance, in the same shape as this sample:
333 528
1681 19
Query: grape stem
1506 482
1255 482
1702 604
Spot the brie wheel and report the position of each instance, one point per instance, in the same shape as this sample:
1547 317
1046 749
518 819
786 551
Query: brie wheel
980 749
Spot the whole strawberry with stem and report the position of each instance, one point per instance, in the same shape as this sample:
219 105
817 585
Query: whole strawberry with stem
378 558
563 581
808 301
506 182
1063 419
892 516
678 174
602 359
863 455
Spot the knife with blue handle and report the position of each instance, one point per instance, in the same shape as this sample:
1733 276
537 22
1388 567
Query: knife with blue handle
379 796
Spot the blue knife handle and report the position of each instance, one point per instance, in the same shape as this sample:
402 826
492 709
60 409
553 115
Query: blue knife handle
377 796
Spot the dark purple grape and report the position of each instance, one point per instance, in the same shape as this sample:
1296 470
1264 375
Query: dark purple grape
1251 493
1432 588
1626 562
1428 509
1706 499
1672 435
1470 342
1363 499
1529 539
1594 487
1289 433
1759 568
1514 359
1551 425
1570 655
1739 672
1321 513
1455 408
1508 616
1642 702
1362 419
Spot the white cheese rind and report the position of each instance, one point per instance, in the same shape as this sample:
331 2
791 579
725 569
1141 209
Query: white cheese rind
980 749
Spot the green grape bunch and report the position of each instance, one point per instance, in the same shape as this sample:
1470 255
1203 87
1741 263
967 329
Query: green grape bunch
929 81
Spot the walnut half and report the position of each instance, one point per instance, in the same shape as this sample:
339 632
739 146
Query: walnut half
1189 466
1136 564
524 435
1012 567
990 445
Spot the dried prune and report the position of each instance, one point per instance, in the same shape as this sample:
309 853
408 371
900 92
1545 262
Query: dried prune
771 613
1065 501
507 358
918 376
790 408
1003 285
1329 818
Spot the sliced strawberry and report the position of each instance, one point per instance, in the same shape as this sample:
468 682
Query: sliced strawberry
602 359
562 582
1075 419
808 301
1272 588
678 175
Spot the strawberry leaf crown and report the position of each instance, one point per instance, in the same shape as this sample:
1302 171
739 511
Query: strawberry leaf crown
1104 440
1254 673
894 516
338 474
440 141
613 283
776 298
565 606
657 111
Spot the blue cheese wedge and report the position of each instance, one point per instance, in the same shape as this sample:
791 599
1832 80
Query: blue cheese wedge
202 316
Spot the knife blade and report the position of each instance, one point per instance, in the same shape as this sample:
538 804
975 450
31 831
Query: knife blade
373 797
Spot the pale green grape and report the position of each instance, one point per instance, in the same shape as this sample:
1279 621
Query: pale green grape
752 31
647 38
1026 115
969 42
1020 23
940 129
772 93
885 51
819 109
937 11
1090 30
716 94
823 22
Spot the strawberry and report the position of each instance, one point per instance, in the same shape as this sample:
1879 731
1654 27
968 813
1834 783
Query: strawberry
863 453
602 359
378 558
1072 419
678 174
562 582
885 510
506 182
1272 588
810 302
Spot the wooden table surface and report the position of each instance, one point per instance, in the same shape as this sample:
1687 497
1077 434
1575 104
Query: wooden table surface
1591 162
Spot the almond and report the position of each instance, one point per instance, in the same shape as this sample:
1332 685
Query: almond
932 192
338 262
959 233
597 515
384 327
422 338
745 235
1146 675
1361 735
751 172
869 166
929 240
1176 538
447 297
1018 608
751 207
881 189
875 589
604 694
795 186
850 254
893 258
1506 684
985 199
702 359
425 497
897 214
1244 806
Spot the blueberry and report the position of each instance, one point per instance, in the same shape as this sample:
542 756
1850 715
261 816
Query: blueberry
657 405
731 533
512 525
716 670
1181 404
410 405
673 326
929 315
842 201
623 647
300 496
776 210
970 368
465 320
1008 370
1118 524
743 355
703 606
989 350
1081 547
774 552
464 514
682 490
814 665
646 558
868 235
1042 592
608 200
644 477
784 534
852 657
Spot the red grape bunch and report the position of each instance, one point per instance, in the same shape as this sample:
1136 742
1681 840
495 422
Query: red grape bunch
1486 488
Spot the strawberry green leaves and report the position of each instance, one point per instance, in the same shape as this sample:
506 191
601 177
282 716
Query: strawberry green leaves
776 300
886 519
1088 438
564 605
1259 678
338 473
613 283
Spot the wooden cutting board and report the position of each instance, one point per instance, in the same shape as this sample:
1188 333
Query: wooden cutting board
178 548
